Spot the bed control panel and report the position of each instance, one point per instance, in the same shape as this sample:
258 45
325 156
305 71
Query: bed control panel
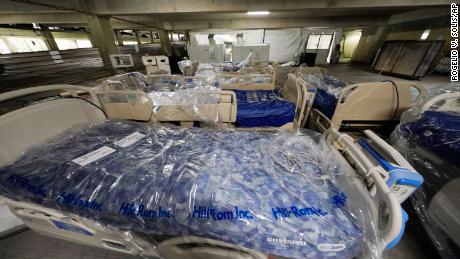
401 181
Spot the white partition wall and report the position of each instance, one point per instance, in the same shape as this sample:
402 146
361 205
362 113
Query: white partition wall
284 44
206 53
260 52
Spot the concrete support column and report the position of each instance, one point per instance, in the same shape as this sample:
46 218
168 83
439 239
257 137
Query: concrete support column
103 37
49 39
151 36
138 39
118 37
165 42
380 36
187 36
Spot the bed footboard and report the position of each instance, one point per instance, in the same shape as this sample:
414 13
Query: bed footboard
365 104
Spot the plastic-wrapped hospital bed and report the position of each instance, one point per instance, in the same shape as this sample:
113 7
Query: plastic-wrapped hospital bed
188 99
166 98
194 193
429 137
361 105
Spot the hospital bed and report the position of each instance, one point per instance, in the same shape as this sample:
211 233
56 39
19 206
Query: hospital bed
361 105
47 205
429 137
244 109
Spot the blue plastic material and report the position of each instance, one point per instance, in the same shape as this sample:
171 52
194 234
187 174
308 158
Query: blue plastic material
263 108
438 132
398 175
325 102
273 192
395 241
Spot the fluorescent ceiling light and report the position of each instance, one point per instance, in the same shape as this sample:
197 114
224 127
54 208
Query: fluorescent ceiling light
425 35
258 12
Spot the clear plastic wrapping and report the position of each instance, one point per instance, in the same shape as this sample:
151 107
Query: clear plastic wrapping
174 98
327 83
227 75
327 93
187 67
429 138
280 193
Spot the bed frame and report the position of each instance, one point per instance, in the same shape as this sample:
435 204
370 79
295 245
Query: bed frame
368 105
34 124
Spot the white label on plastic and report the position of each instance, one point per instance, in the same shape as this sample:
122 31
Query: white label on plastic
94 155
129 140
331 247
402 191
168 169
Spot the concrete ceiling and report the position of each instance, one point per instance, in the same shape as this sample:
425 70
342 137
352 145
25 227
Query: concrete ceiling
211 14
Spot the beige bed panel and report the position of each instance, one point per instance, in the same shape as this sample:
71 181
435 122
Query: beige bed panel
126 104
376 101
34 124
137 105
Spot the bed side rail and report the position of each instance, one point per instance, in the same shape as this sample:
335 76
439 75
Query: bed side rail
244 81
391 217
318 121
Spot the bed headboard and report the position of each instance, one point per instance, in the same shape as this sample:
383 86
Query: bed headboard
25 127
375 102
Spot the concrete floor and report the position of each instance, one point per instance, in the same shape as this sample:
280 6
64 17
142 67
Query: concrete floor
414 244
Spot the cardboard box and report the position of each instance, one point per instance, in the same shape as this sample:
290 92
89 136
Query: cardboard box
165 68
162 60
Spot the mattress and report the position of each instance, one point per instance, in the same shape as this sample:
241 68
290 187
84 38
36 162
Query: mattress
263 108
327 94
438 132
325 102
273 192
